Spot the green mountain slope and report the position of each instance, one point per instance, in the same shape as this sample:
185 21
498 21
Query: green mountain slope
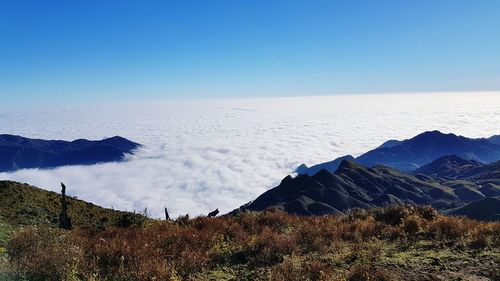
22 204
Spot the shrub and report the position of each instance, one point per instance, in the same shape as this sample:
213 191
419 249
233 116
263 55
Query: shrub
43 255
412 225
269 247
293 269
182 220
367 272
357 214
274 219
316 233
482 237
393 215
124 254
450 229
128 220
427 212
365 252
369 228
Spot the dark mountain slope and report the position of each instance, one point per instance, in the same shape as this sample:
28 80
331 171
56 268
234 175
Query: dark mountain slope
485 209
353 185
20 153
455 167
450 166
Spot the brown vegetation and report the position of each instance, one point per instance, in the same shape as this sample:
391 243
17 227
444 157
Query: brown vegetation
361 245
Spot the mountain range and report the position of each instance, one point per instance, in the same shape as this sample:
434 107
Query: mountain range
463 184
18 152
411 154
454 167
355 186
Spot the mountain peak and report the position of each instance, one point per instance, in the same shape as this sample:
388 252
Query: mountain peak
302 169
433 135
330 166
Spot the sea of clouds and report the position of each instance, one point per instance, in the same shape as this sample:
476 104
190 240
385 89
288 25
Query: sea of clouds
200 155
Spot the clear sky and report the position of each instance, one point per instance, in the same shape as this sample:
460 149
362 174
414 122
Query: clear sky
97 50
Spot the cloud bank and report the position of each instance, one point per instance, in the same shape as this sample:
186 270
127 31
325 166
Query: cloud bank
202 155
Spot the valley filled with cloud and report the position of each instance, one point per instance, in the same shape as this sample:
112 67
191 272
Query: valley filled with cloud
200 155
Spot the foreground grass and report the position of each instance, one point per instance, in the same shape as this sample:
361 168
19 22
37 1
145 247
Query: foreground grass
392 243
6 232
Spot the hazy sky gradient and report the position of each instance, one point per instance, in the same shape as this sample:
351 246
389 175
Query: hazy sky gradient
110 50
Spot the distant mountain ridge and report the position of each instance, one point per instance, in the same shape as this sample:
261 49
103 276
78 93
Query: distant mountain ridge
18 152
452 166
495 139
410 154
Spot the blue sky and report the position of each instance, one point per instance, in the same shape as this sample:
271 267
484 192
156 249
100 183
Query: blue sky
119 50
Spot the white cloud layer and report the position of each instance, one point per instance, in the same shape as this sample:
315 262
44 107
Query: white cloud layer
202 155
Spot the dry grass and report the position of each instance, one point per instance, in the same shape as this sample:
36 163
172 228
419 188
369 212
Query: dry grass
271 245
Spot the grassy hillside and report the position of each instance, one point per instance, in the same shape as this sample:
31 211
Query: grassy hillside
22 204
390 243
5 233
